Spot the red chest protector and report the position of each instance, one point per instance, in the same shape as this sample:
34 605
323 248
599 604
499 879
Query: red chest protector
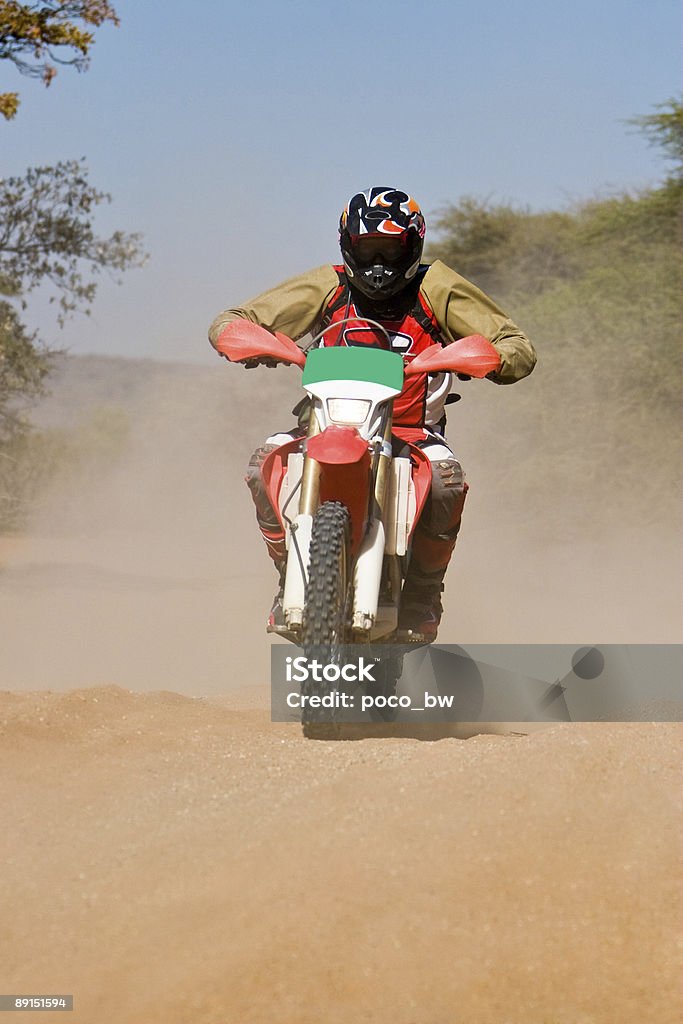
415 331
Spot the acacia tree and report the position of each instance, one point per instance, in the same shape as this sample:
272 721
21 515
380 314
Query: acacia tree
47 239
36 37
47 236
665 130
22 371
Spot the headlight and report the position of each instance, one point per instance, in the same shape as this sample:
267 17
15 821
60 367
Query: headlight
351 411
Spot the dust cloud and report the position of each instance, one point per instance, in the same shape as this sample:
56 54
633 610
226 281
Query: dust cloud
147 571
170 855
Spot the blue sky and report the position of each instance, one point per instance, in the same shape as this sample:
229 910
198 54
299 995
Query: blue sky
231 135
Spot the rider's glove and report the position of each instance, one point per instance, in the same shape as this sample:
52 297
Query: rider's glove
251 364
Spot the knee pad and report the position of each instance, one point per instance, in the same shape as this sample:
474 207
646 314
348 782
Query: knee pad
442 513
265 513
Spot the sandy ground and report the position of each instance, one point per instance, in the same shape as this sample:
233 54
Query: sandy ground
169 855
173 859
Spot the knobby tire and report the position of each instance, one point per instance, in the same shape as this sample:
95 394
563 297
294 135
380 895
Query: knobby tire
327 606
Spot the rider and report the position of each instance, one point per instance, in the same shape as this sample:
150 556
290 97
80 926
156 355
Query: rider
381 233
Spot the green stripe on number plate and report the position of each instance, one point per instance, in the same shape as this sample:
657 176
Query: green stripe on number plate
355 362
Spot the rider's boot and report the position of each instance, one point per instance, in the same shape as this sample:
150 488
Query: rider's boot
271 531
276 619
435 536
421 609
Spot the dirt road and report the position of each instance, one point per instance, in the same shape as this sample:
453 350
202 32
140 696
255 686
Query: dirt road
169 856
175 860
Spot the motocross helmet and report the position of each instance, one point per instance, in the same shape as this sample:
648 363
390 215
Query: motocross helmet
381 234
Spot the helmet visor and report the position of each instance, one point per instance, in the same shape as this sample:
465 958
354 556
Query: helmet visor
376 248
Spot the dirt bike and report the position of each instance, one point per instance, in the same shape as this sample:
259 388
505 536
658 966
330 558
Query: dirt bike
347 503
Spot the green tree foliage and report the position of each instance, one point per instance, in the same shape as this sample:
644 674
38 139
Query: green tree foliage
598 288
503 248
24 364
23 368
47 240
665 129
36 37
47 236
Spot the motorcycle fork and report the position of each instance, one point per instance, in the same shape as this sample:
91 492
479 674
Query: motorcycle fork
372 565
381 466
310 478
372 549
392 564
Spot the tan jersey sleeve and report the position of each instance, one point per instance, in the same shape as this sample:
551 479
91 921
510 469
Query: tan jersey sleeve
461 309
293 307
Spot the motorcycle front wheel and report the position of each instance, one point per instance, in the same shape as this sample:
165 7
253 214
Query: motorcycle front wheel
327 608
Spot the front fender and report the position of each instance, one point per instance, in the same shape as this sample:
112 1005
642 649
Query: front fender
344 459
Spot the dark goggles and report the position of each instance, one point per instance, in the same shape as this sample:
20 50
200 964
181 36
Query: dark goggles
370 249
